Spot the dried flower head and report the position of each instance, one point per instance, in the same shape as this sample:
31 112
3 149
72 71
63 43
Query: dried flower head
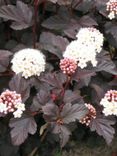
10 101
30 62
111 7
91 115
109 102
68 66
89 42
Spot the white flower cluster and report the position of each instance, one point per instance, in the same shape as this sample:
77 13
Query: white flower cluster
111 7
10 101
89 42
109 102
30 62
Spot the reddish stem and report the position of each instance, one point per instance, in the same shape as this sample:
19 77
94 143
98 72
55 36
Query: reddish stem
36 4
7 73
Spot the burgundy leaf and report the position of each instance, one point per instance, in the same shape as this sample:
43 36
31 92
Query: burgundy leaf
71 113
64 2
87 21
101 6
21 15
71 97
64 23
111 31
63 132
98 93
53 1
40 100
102 126
83 5
21 86
105 63
50 111
4 59
83 76
21 128
55 80
52 43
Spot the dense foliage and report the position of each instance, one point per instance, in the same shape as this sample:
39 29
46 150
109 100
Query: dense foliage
58 71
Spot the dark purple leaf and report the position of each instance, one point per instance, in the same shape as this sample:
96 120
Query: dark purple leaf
53 1
21 128
50 111
71 97
87 21
97 93
4 59
83 5
101 6
21 15
111 31
102 126
55 80
83 76
21 86
63 132
71 113
105 63
52 43
64 2
64 23
40 100
2 2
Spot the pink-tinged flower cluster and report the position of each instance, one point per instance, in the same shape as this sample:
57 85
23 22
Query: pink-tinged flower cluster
112 8
91 115
10 101
68 66
109 102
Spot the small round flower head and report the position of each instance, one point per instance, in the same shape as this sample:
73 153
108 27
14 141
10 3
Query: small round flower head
89 42
10 101
30 62
91 115
109 102
111 7
68 66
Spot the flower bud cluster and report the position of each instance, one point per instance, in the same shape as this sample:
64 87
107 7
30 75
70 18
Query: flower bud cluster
111 7
10 101
68 66
91 115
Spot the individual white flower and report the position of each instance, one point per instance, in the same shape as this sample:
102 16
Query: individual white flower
20 106
17 114
89 42
111 7
3 108
111 15
30 62
109 102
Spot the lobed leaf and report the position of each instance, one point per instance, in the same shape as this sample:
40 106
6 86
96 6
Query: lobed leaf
63 132
4 59
102 126
71 113
21 127
54 44
21 15
21 86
